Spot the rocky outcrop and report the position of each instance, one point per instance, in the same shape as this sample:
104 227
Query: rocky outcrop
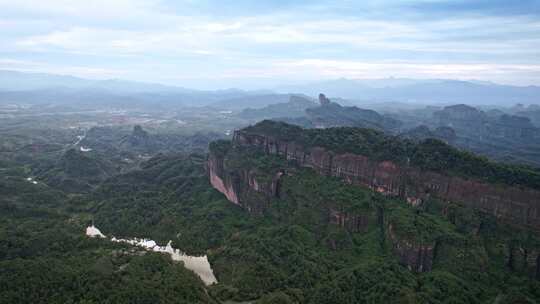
242 186
331 114
138 137
462 117
350 221
471 121
510 126
323 100
524 259
416 257
515 205
220 181
253 190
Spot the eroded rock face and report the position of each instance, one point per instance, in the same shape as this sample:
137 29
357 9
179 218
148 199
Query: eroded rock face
462 117
511 126
417 257
512 204
219 181
523 259
469 120
538 267
323 100
242 187
350 221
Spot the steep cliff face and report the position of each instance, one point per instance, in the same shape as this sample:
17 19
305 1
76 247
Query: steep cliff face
471 121
244 186
350 221
462 117
416 256
512 204
511 126
262 173
524 259
220 181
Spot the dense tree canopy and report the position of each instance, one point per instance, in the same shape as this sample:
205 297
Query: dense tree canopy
430 154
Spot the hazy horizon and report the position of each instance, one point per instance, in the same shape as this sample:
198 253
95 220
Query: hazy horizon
278 86
217 45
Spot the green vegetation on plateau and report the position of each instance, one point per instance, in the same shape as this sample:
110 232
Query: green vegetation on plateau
430 154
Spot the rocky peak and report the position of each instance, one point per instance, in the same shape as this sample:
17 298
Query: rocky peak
139 132
323 100
138 138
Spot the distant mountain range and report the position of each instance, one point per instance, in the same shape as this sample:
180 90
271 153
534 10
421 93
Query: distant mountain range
21 81
432 91
48 88
40 88
295 107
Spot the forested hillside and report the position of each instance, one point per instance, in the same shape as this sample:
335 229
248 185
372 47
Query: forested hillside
46 258
319 241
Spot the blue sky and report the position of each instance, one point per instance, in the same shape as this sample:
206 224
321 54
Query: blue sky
258 44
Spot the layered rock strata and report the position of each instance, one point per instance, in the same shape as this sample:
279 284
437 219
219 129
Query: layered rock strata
520 206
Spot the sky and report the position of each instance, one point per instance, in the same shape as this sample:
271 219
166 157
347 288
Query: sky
211 44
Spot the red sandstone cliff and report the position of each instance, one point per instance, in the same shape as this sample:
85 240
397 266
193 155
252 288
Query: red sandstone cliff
253 191
511 204
242 187
417 257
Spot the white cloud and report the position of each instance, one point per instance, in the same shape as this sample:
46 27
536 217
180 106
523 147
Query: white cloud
95 9
76 70
253 35
117 42
295 43
359 69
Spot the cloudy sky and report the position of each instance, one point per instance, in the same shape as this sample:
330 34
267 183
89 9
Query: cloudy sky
217 44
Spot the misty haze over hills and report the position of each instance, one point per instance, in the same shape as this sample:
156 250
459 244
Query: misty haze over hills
434 91
36 88
25 87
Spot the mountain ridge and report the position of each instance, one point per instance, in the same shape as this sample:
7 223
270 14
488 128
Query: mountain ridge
441 91
413 171
371 208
